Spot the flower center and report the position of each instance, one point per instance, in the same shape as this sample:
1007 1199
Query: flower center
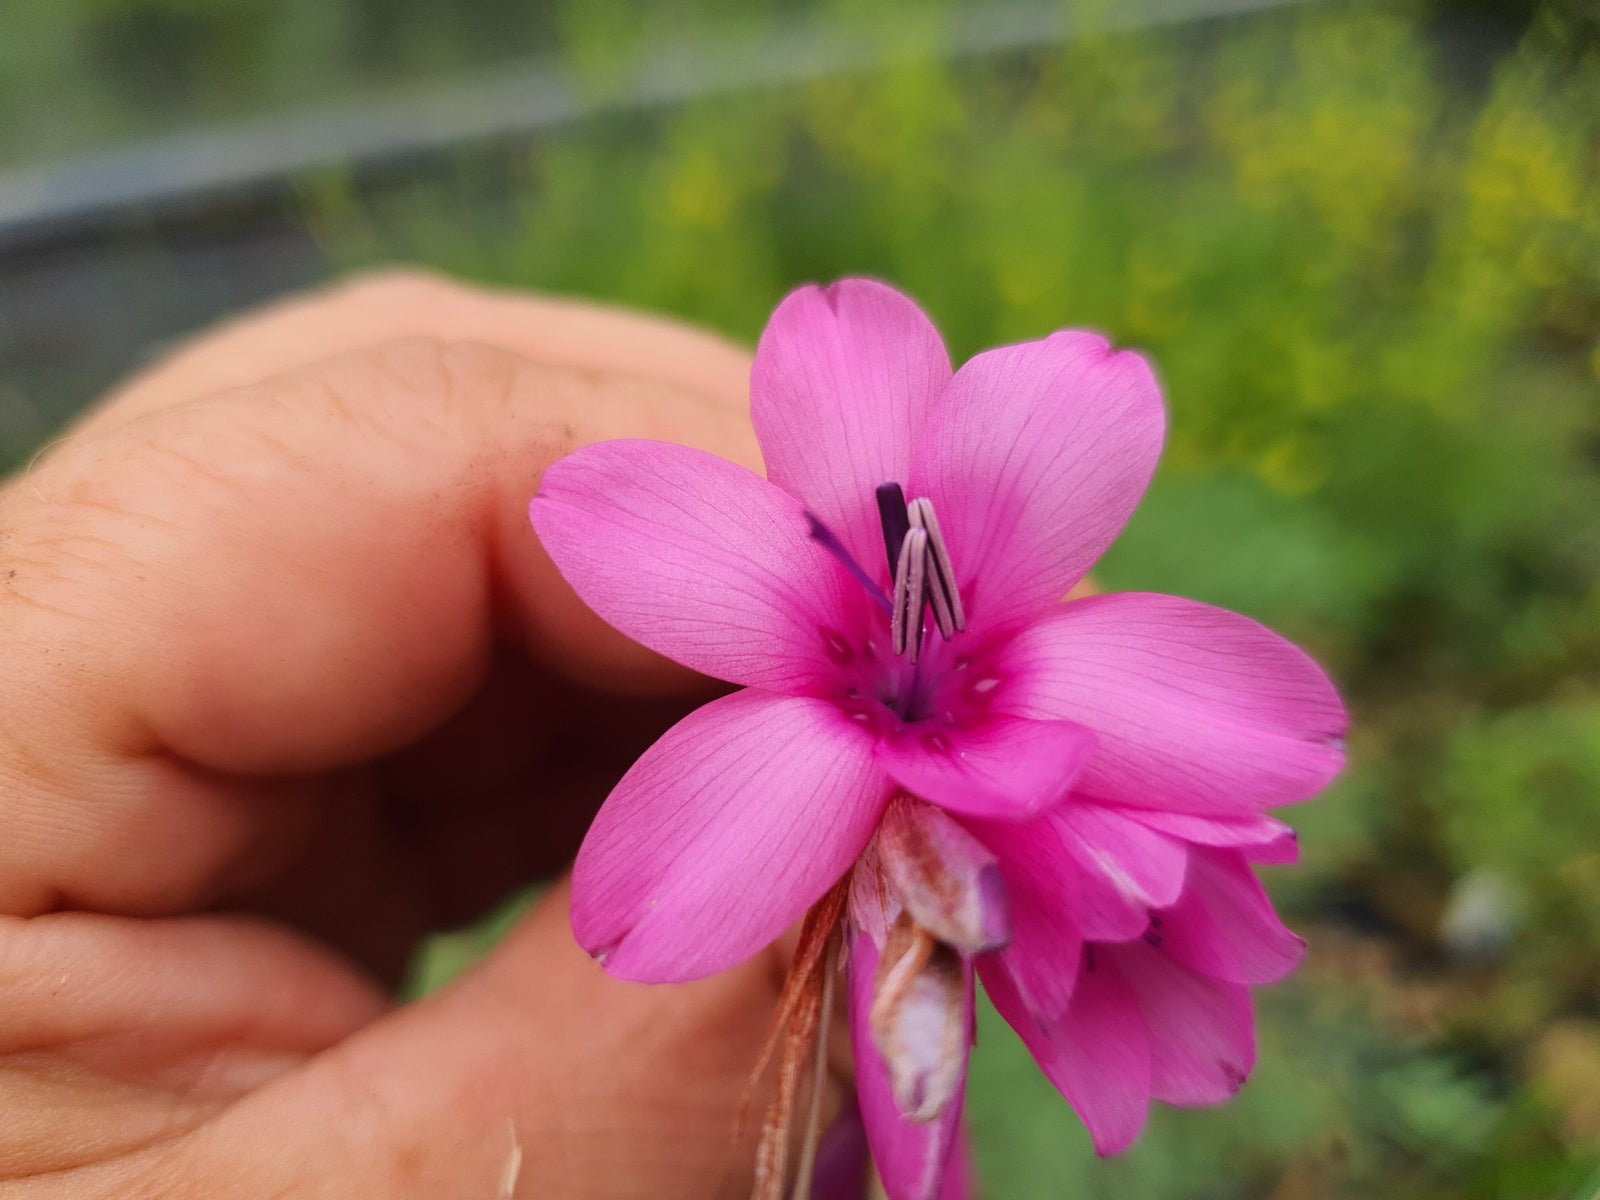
912 678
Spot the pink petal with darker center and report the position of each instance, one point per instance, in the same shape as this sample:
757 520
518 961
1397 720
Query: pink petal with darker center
1197 709
843 381
1035 460
723 834
699 559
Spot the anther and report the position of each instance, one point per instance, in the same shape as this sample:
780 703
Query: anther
920 568
946 596
910 594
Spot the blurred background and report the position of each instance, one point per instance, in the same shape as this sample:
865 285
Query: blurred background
1361 241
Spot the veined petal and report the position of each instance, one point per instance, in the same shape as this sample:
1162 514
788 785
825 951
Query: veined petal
699 559
1262 839
1224 925
912 1156
1046 940
1097 1055
1202 1030
1197 709
723 834
1035 460
1102 872
843 380
999 766
1142 866
1039 967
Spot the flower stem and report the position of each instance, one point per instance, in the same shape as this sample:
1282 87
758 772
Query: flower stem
813 1131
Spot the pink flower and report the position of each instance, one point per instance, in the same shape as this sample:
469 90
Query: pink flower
1063 797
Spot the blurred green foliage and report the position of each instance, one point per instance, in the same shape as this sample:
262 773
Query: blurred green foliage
1365 254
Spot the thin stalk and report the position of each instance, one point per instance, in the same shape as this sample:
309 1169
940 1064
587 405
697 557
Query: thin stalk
813 1132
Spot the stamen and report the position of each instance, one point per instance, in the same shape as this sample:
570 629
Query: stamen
910 595
943 592
919 510
919 566
896 522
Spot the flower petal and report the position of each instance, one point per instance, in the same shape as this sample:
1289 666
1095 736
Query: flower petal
1102 871
1142 866
1035 461
1224 925
1197 709
960 1179
722 835
911 1156
1098 1055
1263 839
1042 960
1202 1030
998 767
699 559
843 380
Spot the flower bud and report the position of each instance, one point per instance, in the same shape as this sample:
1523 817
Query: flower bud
919 1019
946 879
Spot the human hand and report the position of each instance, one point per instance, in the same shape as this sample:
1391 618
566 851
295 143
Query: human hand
289 683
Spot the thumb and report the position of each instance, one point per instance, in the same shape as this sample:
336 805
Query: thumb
534 1075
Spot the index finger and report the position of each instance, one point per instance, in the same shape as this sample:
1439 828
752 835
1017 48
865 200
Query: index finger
278 581
394 305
